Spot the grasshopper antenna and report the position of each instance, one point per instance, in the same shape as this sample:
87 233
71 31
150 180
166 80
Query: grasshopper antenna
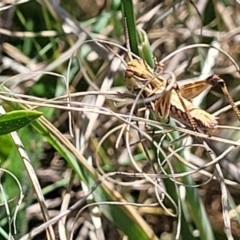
127 39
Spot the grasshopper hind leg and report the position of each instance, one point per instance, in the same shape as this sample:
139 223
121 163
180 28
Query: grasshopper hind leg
190 119
215 79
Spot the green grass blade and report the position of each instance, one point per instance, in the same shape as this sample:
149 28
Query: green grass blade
145 51
128 14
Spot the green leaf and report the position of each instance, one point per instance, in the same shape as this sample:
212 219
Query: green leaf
15 120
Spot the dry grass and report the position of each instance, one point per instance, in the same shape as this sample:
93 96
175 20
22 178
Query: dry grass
100 168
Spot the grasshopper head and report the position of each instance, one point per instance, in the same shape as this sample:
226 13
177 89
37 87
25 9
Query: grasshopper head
137 74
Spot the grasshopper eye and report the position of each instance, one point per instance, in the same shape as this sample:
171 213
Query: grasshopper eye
129 73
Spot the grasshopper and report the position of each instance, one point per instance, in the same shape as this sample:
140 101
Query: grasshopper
176 102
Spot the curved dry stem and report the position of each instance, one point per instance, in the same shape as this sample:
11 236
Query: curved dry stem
201 45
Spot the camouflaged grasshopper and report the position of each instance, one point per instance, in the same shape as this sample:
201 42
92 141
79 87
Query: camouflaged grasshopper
176 102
